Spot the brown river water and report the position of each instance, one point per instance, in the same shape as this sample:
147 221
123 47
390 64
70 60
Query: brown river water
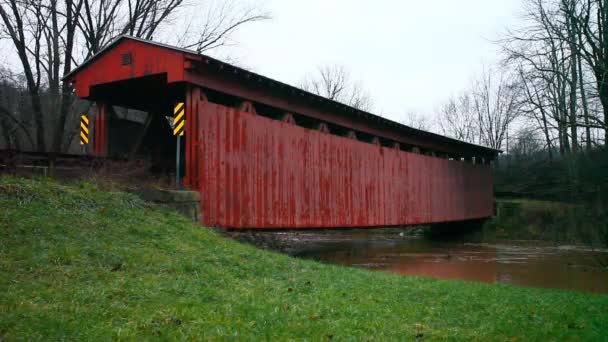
523 263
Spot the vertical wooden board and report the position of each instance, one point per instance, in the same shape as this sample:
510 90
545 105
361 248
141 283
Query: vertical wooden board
274 215
225 167
236 195
244 181
263 179
209 182
437 203
258 173
189 134
221 148
440 203
305 188
203 169
269 153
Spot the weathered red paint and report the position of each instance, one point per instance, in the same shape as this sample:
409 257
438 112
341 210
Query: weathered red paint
178 65
195 100
145 61
256 172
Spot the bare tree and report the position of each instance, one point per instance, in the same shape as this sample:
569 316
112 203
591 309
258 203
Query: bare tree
534 106
334 83
591 21
563 53
545 55
51 37
213 29
457 119
495 105
527 142
416 120
12 127
24 24
482 114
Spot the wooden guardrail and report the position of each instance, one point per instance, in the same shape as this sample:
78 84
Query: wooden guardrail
47 163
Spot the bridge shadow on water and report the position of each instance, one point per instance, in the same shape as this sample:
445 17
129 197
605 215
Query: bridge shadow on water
463 231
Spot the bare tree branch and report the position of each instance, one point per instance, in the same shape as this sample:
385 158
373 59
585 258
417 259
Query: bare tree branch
333 82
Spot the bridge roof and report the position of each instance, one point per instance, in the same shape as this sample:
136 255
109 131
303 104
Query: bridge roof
129 58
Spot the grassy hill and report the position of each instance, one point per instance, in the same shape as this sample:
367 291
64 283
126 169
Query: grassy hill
81 262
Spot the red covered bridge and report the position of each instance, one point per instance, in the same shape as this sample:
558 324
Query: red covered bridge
264 154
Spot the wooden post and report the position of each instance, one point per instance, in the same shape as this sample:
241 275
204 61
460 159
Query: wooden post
323 127
288 118
351 135
247 107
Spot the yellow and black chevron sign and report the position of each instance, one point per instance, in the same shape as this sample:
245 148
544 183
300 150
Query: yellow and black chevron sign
179 119
84 130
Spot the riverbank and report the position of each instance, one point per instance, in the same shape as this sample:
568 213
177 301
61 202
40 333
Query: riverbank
551 221
78 261
416 251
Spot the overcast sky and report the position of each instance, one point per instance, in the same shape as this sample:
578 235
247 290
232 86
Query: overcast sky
409 54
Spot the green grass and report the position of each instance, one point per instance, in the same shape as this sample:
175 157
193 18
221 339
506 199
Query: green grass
78 262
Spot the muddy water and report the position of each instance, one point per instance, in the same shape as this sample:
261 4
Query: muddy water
525 263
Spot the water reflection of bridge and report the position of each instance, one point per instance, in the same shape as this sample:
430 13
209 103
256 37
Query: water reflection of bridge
509 263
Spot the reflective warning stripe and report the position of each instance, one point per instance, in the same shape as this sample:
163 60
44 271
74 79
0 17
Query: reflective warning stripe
179 122
84 129
178 129
178 107
178 117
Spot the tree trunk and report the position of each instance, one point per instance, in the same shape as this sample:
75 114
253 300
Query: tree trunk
585 105
65 97
547 136
603 92
560 138
573 79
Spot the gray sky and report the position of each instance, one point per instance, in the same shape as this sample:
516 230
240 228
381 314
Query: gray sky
410 55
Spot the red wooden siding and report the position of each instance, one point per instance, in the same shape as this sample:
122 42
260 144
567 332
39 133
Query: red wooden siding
146 59
257 172
195 100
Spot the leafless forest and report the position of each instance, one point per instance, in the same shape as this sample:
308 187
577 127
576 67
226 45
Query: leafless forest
52 37
549 95
544 105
